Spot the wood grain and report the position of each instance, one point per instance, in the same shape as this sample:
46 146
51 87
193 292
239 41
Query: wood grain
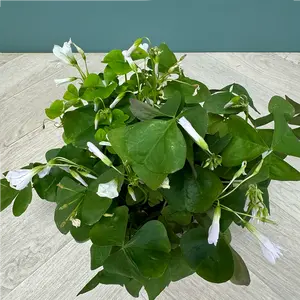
37 262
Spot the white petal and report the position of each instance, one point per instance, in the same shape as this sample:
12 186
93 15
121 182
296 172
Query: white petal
187 126
64 80
105 143
247 202
214 229
44 172
172 77
213 233
76 222
144 46
131 193
108 189
165 184
58 52
78 177
270 251
92 148
19 179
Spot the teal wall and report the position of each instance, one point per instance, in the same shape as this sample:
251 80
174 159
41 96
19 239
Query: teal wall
186 25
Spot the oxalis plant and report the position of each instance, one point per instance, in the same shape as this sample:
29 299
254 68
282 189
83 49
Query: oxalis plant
156 167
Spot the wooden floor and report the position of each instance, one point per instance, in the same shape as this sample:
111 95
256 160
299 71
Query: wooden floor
38 263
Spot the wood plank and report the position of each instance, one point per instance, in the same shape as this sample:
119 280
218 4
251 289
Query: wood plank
27 105
6 57
276 73
283 277
195 288
27 242
290 56
63 276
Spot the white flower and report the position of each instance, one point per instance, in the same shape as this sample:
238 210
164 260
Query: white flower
44 172
214 229
75 222
172 77
77 177
247 202
128 59
131 193
105 143
79 50
108 189
92 148
165 184
187 126
117 100
144 46
64 80
156 70
19 179
270 250
64 53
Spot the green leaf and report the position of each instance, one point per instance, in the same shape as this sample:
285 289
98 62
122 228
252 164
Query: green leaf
151 242
81 234
172 105
246 143
144 111
198 118
154 148
110 231
190 193
71 93
181 217
69 197
216 102
92 80
109 74
296 105
46 187
178 266
55 110
216 143
295 120
155 286
103 92
116 61
8 194
241 274
105 278
276 168
139 53
240 90
79 126
94 207
263 120
203 92
98 255
100 135
133 287
213 263
284 139
22 201
166 59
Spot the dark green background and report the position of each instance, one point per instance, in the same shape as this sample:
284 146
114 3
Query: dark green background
190 25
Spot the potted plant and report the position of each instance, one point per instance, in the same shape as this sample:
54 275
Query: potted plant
156 167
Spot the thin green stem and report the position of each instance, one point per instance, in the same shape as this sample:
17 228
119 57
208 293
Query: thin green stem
80 71
86 68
